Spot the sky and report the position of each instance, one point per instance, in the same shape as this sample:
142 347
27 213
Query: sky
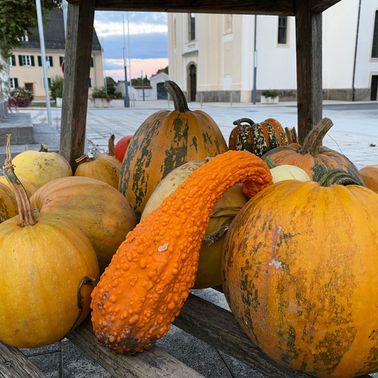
146 43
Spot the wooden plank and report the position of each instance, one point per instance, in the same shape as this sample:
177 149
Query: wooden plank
76 79
319 6
219 328
282 7
154 363
14 364
309 67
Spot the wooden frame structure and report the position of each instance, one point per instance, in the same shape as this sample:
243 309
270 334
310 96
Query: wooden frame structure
308 15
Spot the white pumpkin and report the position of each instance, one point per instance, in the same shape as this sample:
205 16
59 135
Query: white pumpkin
289 172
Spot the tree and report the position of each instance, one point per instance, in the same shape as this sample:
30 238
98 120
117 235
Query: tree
17 17
138 82
110 85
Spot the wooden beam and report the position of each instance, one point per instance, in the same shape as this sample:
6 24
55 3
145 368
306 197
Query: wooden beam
15 364
76 79
278 7
309 67
219 328
319 6
151 363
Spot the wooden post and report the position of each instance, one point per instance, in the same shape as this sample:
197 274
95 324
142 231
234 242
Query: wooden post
76 78
309 67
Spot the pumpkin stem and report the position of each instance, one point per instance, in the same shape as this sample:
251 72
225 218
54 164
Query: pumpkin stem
337 177
24 207
44 148
82 159
178 97
291 135
111 145
314 138
239 121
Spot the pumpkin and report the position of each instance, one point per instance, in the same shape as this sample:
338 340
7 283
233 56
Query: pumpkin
150 276
288 172
209 267
39 167
166 140
103 167
121 147
29 187
97 209
45 267
300 273
370 176
257 138
8 204
311 156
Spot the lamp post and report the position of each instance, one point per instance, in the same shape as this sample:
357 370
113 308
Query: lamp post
126 99
43 56
254 61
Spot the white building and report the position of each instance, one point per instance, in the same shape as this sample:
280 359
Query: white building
211 57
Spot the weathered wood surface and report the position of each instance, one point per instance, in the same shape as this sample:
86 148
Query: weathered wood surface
154 363
76 79
13 364
309 67
283 7
219 328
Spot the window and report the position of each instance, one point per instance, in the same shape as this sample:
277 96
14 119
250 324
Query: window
26 60
25 38
13 83
227 23
12 60
191 27
374 53
49 82
90 83
91 62
282 30
49 59
61 60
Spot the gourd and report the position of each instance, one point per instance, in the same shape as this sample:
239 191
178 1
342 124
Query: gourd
8 204
166 140
150 276
209 267
311 156
40 167
103 167
121 147
300 272
288 172
46 266
102 213
257 138
370 176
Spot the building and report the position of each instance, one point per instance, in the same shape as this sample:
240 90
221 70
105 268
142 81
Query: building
212 57
25 65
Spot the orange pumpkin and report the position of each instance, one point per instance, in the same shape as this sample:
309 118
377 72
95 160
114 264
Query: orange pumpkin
370 176
311 156
149 278
300 274
166 140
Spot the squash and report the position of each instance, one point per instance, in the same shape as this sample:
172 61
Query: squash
311 156
288 172
8 204
149 278
300 273
44 275
257 138
103 167
97 209
370 176
39 167
29 187
166 140
121 147
209 267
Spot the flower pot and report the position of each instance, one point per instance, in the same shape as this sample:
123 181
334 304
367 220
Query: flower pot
269 100
101 103
59 102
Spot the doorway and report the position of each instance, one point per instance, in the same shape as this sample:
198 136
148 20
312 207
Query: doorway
192 82
161 92
30 87
374 88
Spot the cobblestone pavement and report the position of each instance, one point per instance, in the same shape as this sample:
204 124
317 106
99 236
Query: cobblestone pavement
355 133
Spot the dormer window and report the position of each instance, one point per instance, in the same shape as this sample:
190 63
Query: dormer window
191 27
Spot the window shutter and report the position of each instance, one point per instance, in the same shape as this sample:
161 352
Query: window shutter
20 60
32 60
61 60
13 60
15 80
91 62
39 61
49 82
51 60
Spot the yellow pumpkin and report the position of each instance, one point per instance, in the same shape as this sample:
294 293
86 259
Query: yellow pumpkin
209 268
8 204
370 176
29 187
289 172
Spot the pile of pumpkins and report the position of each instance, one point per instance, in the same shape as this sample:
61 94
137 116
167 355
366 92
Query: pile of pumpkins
289 229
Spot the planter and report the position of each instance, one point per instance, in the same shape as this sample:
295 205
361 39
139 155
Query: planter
269 100
59 102
101 103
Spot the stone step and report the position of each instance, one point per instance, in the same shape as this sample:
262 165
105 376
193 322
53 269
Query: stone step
19 125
